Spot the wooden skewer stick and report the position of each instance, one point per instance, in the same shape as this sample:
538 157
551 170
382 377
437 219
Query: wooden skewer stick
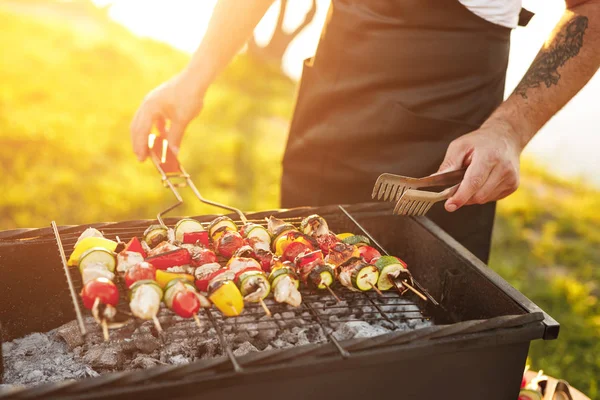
264 306
400 292
397 286
375 289
415 291
157 324
197 321
105 329
333 293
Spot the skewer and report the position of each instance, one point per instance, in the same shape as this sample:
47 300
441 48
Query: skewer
197 321
375 289
333 293
105 329
398 288
157 324
264 306
415 291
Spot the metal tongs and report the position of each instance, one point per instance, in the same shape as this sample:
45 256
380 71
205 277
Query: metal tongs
174 176
409 200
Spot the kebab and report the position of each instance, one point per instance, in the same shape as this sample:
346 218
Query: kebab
225 236
223 292
94 256
315 272
145 294
257 236
285 283
258 239
183 299
391 270
358 275
316 227
251 280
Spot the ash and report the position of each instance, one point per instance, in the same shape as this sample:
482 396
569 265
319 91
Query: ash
63 354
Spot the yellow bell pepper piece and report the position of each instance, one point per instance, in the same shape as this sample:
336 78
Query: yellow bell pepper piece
164 277
343 236
86 244
228 299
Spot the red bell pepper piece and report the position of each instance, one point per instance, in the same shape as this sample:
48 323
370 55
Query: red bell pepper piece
136 246
196 237
170 259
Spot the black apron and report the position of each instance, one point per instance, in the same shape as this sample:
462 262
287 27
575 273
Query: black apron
393 82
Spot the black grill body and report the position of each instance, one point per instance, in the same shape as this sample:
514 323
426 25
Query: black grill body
477 349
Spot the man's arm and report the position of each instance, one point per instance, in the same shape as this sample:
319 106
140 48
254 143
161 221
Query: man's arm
172 105
566 62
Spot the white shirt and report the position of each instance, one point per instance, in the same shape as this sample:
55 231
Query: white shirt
500 12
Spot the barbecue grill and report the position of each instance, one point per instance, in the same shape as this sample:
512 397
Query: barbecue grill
475 346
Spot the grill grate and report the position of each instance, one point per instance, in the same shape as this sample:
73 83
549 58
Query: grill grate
319 314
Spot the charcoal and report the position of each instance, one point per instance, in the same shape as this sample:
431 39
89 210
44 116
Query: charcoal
288 315
267 330
301 338
244 349
289 337
30 345
62 354
178 359
241 338
260 345
145 342
143 361
358 329
104 357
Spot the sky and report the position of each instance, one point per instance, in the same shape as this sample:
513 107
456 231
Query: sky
568 144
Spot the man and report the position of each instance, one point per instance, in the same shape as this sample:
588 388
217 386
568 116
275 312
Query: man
394 86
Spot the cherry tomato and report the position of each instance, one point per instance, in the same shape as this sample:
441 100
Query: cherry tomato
186 304
101 288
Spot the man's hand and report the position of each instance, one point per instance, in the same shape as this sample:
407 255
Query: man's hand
492 156
170 107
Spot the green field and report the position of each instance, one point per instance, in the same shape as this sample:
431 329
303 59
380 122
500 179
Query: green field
69 90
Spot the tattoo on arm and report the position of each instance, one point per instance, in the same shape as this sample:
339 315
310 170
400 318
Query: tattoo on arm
544 68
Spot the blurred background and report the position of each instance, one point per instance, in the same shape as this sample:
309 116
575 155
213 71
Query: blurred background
72 74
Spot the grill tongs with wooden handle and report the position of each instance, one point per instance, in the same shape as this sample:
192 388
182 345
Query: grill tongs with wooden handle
174 176
409 200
